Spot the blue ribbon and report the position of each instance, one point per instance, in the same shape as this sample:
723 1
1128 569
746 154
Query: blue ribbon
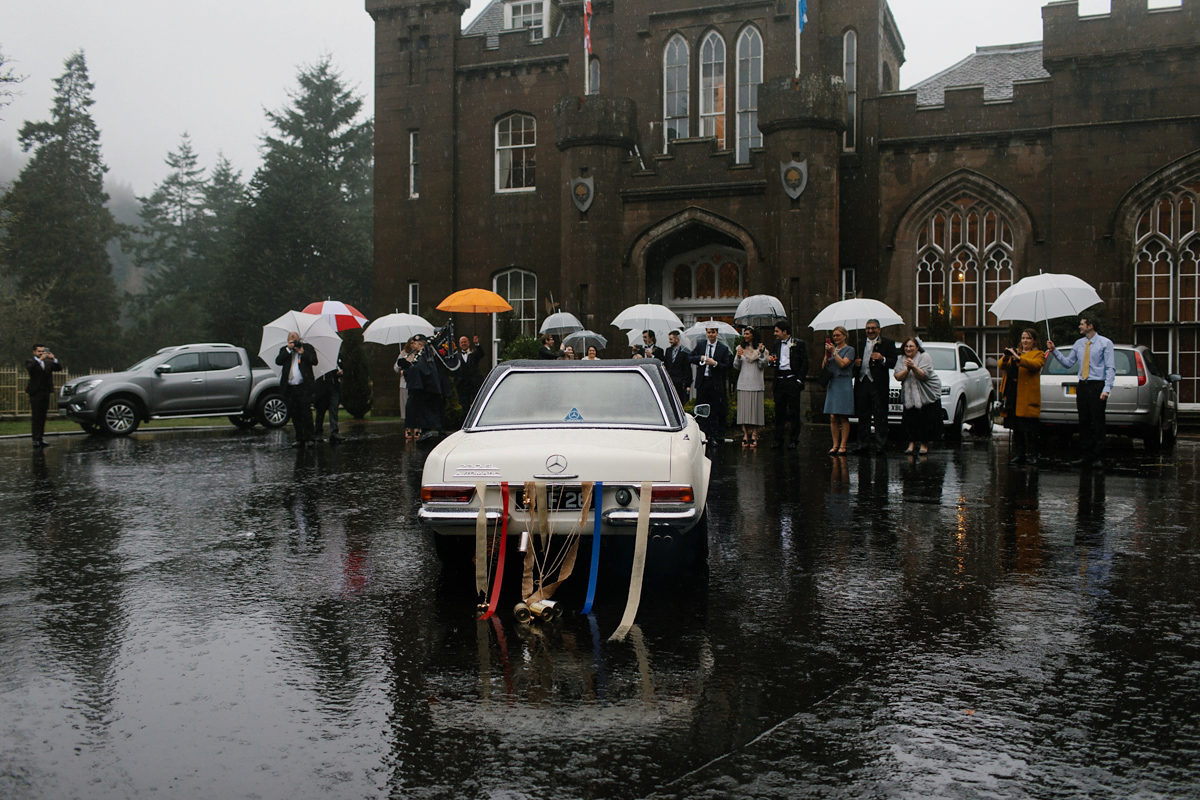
597 497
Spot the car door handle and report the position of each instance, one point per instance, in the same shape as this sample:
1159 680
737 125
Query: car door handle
197 380
240 378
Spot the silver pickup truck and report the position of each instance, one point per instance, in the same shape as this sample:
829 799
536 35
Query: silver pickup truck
188 380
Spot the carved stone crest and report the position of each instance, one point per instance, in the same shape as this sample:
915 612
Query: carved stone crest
583 191
794 177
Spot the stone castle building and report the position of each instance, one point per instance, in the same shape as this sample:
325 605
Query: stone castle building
699 169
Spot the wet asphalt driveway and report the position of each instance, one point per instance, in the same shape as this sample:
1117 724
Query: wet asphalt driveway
211 614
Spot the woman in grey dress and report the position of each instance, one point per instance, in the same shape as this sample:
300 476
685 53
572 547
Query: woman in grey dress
839 395
750 361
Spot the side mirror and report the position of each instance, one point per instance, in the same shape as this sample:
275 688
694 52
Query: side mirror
1175 377
992 362
970 366
702 411
162 369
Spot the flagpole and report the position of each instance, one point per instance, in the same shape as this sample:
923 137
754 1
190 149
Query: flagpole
801 18
587 47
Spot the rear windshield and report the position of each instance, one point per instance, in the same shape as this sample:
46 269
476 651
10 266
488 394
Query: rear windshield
567 397
1125 361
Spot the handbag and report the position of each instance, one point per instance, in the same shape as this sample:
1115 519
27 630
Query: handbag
825 376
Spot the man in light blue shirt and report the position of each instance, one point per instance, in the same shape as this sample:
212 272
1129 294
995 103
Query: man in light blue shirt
1097 370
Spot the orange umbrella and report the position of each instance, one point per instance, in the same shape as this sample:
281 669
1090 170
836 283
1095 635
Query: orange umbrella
474 301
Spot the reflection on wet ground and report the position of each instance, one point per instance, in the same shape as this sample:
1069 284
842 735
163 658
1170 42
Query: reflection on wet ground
215 615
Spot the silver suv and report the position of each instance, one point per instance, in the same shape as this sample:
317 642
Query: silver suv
1144 402
189 380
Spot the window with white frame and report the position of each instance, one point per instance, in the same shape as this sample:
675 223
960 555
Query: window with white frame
525 15
712 88
516 158
850 76
675 90
519 288
965 255
849 283
414 183
749 76
414 297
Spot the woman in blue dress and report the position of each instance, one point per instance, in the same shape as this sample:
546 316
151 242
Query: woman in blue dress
839 395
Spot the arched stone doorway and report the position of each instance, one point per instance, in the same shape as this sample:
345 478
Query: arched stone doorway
697 264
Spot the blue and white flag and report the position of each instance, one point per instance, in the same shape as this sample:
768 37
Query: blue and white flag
801 15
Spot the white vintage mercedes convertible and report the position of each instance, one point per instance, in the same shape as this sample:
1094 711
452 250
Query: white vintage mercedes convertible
557 426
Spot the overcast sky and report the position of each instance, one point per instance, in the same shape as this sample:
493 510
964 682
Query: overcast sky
162 67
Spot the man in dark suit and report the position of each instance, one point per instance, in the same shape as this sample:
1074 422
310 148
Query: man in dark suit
789 356
650 348
327 397
40 389
467 379
298 360
713 362
871 373
677 360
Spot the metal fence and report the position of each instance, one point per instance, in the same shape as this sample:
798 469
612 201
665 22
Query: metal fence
13 399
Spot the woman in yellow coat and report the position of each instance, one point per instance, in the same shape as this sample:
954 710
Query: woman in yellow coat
1021 388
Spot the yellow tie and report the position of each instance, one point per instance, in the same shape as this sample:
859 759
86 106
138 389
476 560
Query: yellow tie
1087 361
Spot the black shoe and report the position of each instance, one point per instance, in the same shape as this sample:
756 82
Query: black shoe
298 444
861 451
881 451
1033 461
1081 462
793 445
316 439
335 438
38 443
1097 464
427 435
1019 461
777 444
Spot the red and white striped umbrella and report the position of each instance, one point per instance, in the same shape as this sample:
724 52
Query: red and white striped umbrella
341 317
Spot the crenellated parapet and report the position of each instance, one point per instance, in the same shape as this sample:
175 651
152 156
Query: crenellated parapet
414 9
963 118
507 48
1130 27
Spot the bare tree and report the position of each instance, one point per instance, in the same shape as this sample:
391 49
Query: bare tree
8 79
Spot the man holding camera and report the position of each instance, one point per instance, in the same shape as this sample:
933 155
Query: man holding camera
40 388
297 380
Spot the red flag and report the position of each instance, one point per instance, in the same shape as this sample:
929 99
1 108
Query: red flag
587 25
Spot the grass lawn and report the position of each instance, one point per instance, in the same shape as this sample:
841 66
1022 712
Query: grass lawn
17 427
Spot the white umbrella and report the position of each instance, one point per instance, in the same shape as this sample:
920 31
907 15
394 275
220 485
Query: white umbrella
759 310
725 333
561 323
854 313
582 340
648 317
1044 297
397 328
314 331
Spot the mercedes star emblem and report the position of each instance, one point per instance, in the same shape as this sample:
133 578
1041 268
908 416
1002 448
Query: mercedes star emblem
556 463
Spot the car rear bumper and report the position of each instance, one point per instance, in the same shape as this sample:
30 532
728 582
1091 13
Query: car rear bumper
447 520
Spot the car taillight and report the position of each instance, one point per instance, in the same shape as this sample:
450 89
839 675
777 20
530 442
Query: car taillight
1141 365
447 494
672 494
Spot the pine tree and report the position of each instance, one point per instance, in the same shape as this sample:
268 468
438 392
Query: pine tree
306 232
171 310
58 226
224 203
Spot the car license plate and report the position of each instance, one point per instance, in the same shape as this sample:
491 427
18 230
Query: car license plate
895 408
558 497
1070 387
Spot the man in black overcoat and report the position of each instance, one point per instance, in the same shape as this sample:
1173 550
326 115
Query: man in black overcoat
871 373
713 361
678 361
298 360
40 389
789 357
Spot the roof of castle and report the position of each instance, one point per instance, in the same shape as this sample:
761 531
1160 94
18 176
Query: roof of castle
490 21
996 68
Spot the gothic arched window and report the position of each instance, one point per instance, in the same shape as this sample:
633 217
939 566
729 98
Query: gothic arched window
712 88
749 76
675 90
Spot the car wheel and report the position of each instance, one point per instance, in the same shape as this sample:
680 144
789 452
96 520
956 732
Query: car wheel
119 417
243 421
960 411
272 411
1171 431
982 425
